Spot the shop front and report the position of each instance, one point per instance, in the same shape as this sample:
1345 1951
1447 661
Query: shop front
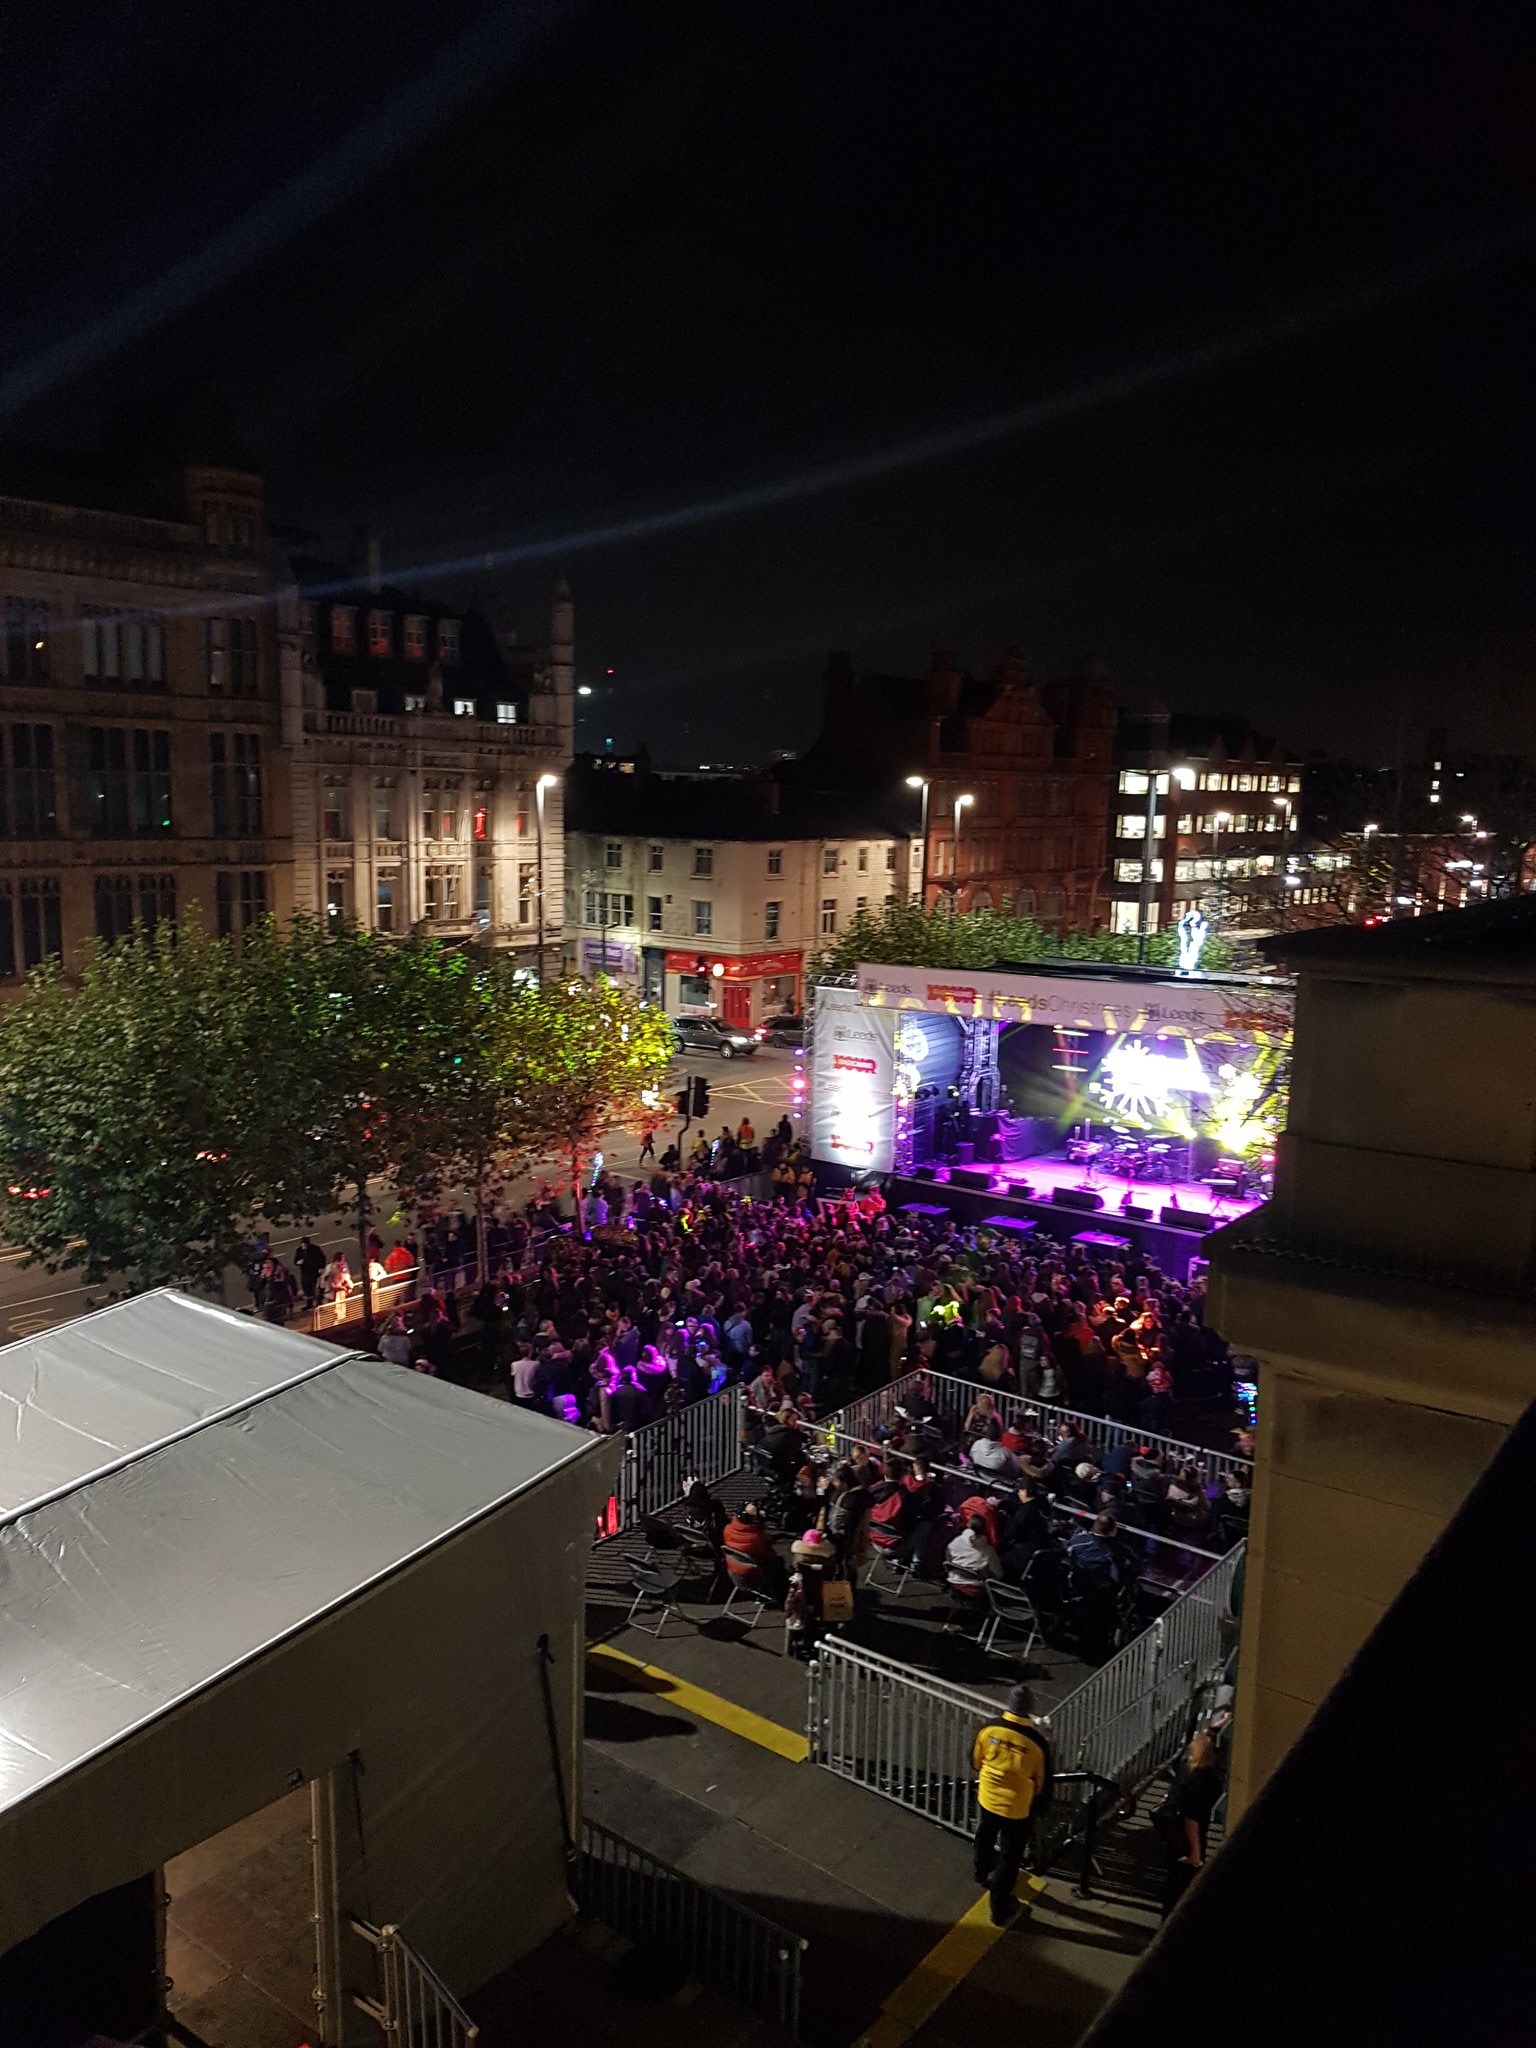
740 989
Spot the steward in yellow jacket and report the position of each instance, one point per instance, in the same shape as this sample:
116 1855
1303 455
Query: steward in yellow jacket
1012 1760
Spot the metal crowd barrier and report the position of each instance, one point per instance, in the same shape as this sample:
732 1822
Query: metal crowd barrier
908 1736
735 1951
702 1441
872 1412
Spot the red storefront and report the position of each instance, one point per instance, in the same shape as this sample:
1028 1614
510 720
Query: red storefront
740 989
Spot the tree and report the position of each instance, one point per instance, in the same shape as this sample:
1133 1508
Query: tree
140 1135
591 1056
906 932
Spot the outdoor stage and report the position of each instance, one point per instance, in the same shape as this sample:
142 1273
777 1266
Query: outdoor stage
1059 1205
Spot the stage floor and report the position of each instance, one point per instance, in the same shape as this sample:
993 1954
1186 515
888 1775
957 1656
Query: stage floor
1044 1174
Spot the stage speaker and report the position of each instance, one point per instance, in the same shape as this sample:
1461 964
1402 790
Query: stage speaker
1019 1190
1185 1219
971 1177
925 1173
1134 1213
1076 1198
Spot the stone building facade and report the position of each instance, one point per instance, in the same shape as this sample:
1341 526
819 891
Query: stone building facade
141 728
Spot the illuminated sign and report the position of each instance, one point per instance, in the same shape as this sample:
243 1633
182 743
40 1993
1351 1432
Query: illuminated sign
1193 929
1136 1080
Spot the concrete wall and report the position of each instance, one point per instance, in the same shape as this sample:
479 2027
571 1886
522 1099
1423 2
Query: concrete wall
1385 1292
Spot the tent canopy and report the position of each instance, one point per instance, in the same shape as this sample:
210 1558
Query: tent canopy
209 1486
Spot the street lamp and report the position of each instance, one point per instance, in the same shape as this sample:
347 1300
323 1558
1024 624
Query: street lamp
1284 803
544 782
921 782
960 804
1219 818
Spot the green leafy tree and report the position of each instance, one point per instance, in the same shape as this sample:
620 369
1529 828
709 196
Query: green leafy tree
591 1057
138 1142
905 932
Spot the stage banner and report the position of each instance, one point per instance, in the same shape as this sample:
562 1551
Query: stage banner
1248 1013
852 1068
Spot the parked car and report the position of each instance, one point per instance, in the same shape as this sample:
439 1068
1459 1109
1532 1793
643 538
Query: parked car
711 1034
785 1030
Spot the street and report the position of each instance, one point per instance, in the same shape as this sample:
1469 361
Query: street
31 1299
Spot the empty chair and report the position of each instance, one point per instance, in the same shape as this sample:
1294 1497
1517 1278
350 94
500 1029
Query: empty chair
1009 1607
654 1584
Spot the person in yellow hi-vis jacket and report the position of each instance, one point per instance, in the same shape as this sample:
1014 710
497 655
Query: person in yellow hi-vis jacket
1012 1760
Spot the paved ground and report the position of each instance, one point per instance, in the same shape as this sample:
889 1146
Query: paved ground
900 1946
239 1944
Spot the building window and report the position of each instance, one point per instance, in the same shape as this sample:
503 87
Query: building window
386 889
525 891
703 862
829 860
482 817
240 899
415 637
657 859
483 898
114 650
863 860
127 783
414 702
383 811
703 919
231 657
828 915
463 707
613 854
448 640
337 888
335 809
506 714
27 806
237 797
861 904
7 934
122 899
26 640
890 860
775 860
443 895
344 629
307 618
770 920
653 913
589 907
41 932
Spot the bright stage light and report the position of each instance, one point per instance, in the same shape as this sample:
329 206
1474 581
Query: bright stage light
1138 1081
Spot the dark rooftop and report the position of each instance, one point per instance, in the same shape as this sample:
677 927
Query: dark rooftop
1493 941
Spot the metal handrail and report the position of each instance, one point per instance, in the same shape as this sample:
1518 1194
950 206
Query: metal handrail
415 2008
740 1952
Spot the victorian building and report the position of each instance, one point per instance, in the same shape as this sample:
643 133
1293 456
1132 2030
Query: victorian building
1015 776
141 727
427 753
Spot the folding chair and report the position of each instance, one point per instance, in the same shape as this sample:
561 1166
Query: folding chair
886 1549
748 1581
652 1583
1009 1607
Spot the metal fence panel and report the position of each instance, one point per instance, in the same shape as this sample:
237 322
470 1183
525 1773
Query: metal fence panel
862 1419
702 1441
908 1736
737 1952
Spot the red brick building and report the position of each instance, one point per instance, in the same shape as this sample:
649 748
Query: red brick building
1036 760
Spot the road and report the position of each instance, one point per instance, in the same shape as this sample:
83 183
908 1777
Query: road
31 1299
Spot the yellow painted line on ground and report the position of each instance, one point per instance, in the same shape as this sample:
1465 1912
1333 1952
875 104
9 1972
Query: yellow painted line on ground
947 1964
708 1706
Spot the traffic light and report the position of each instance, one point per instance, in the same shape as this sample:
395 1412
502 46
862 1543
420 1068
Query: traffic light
682 1102
700 1097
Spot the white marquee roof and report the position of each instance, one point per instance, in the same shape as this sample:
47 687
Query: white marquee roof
209 1485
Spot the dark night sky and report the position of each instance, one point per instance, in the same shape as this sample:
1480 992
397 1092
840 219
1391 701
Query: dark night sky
492 277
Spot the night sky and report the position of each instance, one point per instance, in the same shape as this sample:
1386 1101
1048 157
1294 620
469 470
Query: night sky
1208 331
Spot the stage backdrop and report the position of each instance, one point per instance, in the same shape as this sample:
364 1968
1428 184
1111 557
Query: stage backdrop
852 1069
1253 1013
